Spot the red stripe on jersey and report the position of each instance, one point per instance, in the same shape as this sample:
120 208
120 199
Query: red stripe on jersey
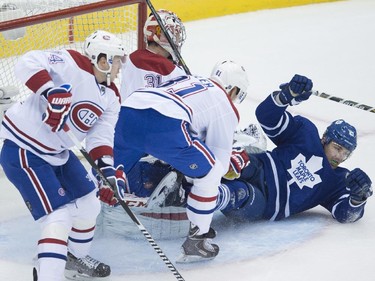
184 129
83 230
100 151
202 199
204 150
11 124
52 241
39 79
82 61
34 180
146 60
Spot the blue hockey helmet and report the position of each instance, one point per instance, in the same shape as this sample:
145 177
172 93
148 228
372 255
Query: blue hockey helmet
341 133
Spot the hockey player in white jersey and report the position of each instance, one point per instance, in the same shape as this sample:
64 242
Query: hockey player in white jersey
157 63
76 92
189 123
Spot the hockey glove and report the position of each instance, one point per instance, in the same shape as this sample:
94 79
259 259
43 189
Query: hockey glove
107 195
296 91
238 160
118 184
59 101
359 184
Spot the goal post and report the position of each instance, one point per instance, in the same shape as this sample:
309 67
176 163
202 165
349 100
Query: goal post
50 25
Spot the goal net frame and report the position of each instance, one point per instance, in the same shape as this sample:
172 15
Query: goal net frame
71 16
21 33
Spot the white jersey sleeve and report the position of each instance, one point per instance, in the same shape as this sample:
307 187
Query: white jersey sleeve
94 106
144 69
204 105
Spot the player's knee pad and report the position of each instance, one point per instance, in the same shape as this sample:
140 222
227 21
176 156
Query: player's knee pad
247 203
56 224
85 208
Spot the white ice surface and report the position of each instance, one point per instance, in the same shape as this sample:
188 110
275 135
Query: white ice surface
331 43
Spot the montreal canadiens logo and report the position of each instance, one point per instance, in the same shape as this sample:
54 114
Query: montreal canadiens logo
84 115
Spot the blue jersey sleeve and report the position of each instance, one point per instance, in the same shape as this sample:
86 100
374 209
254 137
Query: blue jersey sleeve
345 212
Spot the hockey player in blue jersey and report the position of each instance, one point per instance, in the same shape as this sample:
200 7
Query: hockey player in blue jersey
301 172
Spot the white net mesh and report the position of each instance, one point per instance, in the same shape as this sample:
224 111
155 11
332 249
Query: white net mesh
54 24
68 32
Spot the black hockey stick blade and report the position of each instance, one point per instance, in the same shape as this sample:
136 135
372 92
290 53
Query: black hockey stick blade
344 101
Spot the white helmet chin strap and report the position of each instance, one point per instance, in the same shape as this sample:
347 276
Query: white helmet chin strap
106 72
108 78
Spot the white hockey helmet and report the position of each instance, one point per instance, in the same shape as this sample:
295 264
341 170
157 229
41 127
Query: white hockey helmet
103 42
174 27
229 74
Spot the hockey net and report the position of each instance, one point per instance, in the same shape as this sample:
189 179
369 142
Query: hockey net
54 24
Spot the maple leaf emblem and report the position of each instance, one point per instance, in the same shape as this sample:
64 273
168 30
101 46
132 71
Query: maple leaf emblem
303 172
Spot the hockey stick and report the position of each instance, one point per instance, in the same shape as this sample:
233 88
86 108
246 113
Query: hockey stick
184 66
148 236
175 50
344 101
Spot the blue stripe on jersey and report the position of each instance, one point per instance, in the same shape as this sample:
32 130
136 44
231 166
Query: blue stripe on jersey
27 143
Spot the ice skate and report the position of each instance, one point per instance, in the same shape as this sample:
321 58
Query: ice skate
86 268
198 247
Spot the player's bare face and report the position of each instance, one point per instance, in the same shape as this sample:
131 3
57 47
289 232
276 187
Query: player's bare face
116 66
336 154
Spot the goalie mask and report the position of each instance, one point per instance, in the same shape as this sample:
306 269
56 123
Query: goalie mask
174 27
341 133
229 74
104 43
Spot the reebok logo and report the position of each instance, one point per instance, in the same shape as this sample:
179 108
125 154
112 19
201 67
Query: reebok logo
62 101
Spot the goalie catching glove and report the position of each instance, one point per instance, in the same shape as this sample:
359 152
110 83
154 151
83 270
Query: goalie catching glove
238 161
59 101
117 180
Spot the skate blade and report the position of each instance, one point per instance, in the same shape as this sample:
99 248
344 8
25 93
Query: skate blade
191 259
74 275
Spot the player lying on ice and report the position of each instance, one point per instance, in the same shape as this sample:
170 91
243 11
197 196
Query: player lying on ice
300 173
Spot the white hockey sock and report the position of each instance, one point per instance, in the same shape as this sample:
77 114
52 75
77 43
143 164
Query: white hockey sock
52 249
80 238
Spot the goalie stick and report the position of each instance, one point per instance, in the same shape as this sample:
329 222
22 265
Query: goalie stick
344 101
148 236
175 50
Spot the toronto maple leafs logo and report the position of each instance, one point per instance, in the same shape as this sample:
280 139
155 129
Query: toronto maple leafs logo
304 172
